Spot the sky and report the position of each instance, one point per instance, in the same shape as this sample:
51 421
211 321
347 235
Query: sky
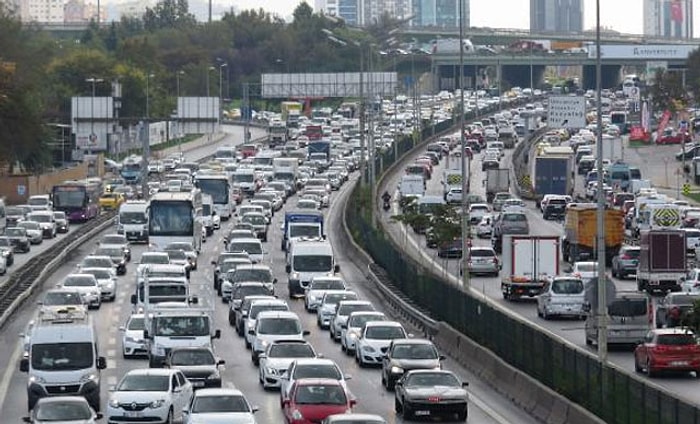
621 15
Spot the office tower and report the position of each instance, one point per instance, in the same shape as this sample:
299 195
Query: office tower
558 16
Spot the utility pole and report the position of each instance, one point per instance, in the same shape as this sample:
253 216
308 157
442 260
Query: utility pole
247 112
363 140
92 139
179 120
463 145
146 141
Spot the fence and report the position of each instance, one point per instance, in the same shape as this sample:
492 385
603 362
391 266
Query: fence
575 374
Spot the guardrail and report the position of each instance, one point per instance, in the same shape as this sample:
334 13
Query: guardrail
524 185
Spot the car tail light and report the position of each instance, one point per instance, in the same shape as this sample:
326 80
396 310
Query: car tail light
625 257
495 260
660 349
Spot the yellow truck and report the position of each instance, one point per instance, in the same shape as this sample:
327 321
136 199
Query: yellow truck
580 233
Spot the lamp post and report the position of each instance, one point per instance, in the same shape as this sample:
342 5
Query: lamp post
177 100
211 68
146 140
93 137
221 80
463 157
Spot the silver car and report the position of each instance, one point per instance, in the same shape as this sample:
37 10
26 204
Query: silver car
562 297
483 260
34 232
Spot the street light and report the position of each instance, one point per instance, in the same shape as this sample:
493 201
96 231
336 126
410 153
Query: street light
211 68
146 141
177 105
221 80
463 157
93 137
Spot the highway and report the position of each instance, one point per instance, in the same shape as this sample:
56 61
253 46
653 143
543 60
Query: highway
486 406
652 161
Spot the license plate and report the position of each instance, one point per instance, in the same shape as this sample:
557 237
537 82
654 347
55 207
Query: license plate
422 413
198 384
133 414
678 363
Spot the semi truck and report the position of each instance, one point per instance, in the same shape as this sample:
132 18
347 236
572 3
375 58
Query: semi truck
497 181
528 261
662 260
554 171
580 232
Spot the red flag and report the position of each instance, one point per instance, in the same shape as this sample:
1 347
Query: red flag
676 11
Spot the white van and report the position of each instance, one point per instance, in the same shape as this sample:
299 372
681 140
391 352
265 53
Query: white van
40 202
63 358
271 326
132 220
308 258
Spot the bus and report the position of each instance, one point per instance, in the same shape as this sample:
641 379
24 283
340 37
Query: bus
219 187
79 200
175 217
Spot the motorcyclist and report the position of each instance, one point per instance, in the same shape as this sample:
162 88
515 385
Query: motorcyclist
386 197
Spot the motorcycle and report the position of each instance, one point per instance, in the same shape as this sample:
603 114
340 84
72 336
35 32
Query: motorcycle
387 204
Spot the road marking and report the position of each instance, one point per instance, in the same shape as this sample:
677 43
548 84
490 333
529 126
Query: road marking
112 341
111 353
111 364
7 376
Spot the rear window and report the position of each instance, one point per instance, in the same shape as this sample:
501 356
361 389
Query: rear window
482 253
676 339
567 287
628 308
632 253
514 217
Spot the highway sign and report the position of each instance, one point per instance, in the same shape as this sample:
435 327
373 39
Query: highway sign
567 112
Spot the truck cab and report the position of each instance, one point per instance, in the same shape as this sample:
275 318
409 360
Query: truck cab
132 220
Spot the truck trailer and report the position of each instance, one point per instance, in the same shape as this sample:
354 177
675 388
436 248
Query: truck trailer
528 261
662 260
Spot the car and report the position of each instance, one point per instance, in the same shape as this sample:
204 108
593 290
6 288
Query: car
186 247
354 419
63 299
19 239
277 358
671 311
106 279
252 246
308 204
585 270
151 258
179 257
88 287
237 317
326 309
668 349
271 326
454 195
63 409
484 228
625 262
149 395
248 318
374 339
117 240
553 206
304 368
199 365
35 234
513 202
483 260
116 254
350 331
14 214
7 250
46 223
133 343
111 201
247 273
431 393
407 354
343 311
562 296
62 224
224 268
312 400
313 293
691 283
259 222
210 406
499 199
239 292
220 260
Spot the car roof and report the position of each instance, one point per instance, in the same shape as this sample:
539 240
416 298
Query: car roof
383 324
152 371
413 341
278 314
215 391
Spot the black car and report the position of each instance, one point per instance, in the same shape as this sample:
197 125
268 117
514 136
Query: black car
554 208
404 355
8 250
19 239
13 215
199 365
430 393
116 254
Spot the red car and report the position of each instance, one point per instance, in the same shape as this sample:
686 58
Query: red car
670 136
311 400
668 349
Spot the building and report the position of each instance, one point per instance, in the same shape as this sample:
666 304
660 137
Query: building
439 13
75 11
45 11
668 18
558 16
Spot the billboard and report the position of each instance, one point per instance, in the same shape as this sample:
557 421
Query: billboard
642 52
198 115
92 119
322 85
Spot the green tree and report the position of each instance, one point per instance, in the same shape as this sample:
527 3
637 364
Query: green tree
693 74
668 92
168 14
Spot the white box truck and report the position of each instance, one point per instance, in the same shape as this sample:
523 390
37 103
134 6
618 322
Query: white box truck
528 262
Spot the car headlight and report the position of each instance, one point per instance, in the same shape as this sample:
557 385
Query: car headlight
114 403
352 335
271 370
36 380
88 377
311 298
250 324
130 339
396 370
264 343
94 293
295 276
297 415
214 376
157 403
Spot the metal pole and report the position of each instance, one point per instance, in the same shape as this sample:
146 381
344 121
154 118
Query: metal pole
363 159
683 135
146 142
179 122
92 117
600 236
246 118
465 176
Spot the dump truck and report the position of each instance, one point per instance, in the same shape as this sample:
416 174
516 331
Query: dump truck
528 261
580 232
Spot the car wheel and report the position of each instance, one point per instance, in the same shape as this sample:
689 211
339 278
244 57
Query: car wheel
650 372
342 346
462 416
169 419
407 413
637 368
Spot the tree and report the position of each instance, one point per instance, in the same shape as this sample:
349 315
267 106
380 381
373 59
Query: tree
667 91
693 74
168 14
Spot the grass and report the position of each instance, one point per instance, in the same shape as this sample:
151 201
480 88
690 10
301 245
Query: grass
637 144
694 196
173 142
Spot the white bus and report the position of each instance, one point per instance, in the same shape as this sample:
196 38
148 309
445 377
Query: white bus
175 217
219 187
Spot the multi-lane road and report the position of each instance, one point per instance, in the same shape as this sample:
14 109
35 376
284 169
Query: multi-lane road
486 406
652 160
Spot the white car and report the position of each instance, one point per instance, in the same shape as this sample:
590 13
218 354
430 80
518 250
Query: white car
276 359
326 308
187 248
343 311
151 258
351 330
484 228
477 211
150 395
585 270
311 368
272 326
251 315
454 195
318 287
375 339
219 406
133 343
46 221
34 232
106 279
63 410
562 297
88 287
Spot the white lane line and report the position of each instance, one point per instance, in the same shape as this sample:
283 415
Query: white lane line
7 376
111 364
111 353
112 341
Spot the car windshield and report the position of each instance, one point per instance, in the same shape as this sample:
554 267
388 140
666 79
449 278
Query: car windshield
58 298
192 357
62 356
29 225
514 217
113 239
38 201
281 326
64 410
684 300
178 326
132 217
320 395
345 310
253 248
249 290
219 404
628 307
256 309
631 253
327 285
13 211
92 262
308 230
313 263
177 255
676 339
587 267
40 217
136 324
483 253
567 287
109 251
15 232
291 350
100 274
385 333
155 259
187 247
252 275
358 321
144 383
334 298
432 379
414 351
79 281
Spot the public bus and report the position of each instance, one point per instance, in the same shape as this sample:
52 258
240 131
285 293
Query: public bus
219 187
79 200
175 217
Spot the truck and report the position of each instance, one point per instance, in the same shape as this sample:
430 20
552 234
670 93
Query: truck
643 207
528 262
277 133
131 169
554 169
290 108
132 220
319 152
580 232
508 136
411 186
301 224
285 169
662 260
497 180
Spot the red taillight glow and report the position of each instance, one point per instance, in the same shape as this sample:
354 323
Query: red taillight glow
625 257
433 399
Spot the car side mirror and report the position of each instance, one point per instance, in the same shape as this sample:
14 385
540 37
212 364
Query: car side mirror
146 335
274 281
27 419
177 389
133 299
24 365
288 268
251 332
194 300
221 362
101 363
185 411
99 416
465 384
214 262
347 377
442 357
255 408
217 334
164 364
353 402
336 268
286 402
306 332
344 326
262 355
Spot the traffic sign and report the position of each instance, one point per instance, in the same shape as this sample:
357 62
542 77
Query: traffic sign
634 93
686 189
21 190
